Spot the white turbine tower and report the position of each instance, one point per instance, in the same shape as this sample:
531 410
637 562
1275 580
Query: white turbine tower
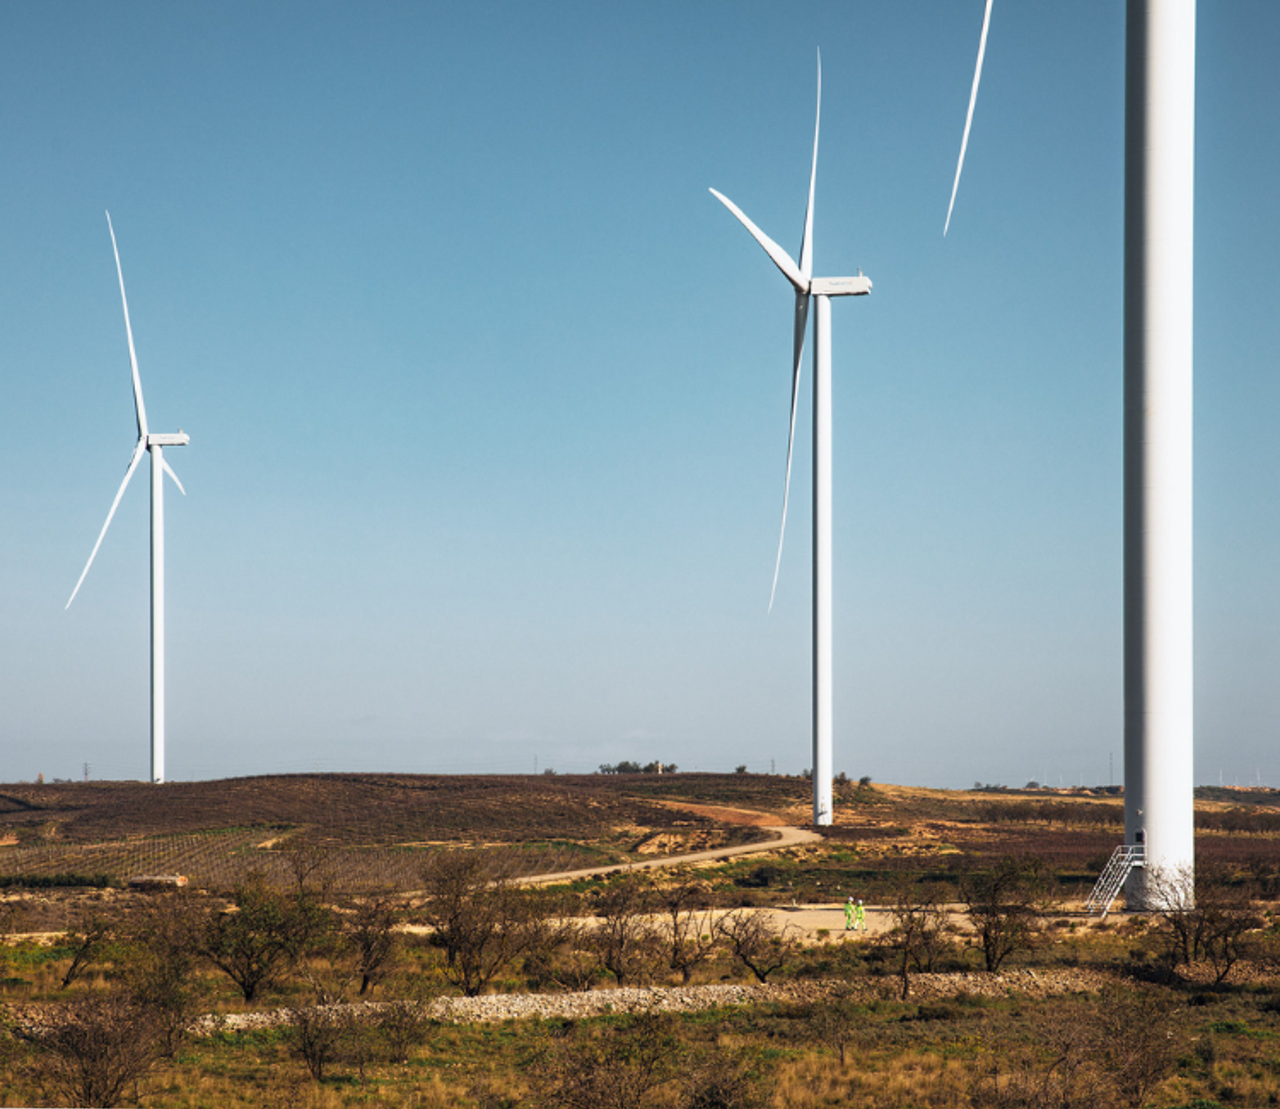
822 289
1159 220
154 444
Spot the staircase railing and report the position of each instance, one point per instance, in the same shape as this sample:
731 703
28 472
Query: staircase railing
1107 888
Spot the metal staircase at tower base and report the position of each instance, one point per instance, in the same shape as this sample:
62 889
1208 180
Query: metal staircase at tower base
1111 881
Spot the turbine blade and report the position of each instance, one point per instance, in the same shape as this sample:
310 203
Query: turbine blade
802 322
140 409
968 119
806 244
164 465
138 451
780 257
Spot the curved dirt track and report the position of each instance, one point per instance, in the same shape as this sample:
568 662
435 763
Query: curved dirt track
786 836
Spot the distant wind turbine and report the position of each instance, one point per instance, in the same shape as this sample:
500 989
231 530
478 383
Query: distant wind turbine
1159 223
822 289
154 444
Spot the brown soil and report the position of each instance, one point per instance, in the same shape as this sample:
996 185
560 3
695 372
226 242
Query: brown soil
722 814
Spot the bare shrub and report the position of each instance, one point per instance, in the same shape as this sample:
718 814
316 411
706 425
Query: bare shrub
756 942
162 944
487 1092
11 912
1264 950
558 952
1109 1054
1011 1083
1231 922
1133 1042
623 1066
722 1079
93 1052
405 1024
317 1035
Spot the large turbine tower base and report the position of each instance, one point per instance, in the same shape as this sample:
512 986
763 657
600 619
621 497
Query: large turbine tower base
1158 269
1159 224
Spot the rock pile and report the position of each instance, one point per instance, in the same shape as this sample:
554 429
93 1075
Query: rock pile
592 1003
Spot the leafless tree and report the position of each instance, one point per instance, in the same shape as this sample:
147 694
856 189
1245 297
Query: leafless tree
1178 931
265 935
834 1022
481 918
920 932
691 939
756 942
311 865
369 932
627 943
1201 917
88 935
1005 906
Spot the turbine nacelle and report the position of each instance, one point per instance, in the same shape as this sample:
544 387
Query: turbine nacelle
168 439
858 286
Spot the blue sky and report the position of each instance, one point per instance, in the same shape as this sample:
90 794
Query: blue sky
488 396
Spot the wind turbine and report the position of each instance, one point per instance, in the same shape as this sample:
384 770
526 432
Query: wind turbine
1159 220
152 443
821 289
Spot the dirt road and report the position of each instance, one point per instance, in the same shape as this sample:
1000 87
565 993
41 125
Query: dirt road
815 922
784 837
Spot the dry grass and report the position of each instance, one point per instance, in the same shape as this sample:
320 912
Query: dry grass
906 1055
924 1055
